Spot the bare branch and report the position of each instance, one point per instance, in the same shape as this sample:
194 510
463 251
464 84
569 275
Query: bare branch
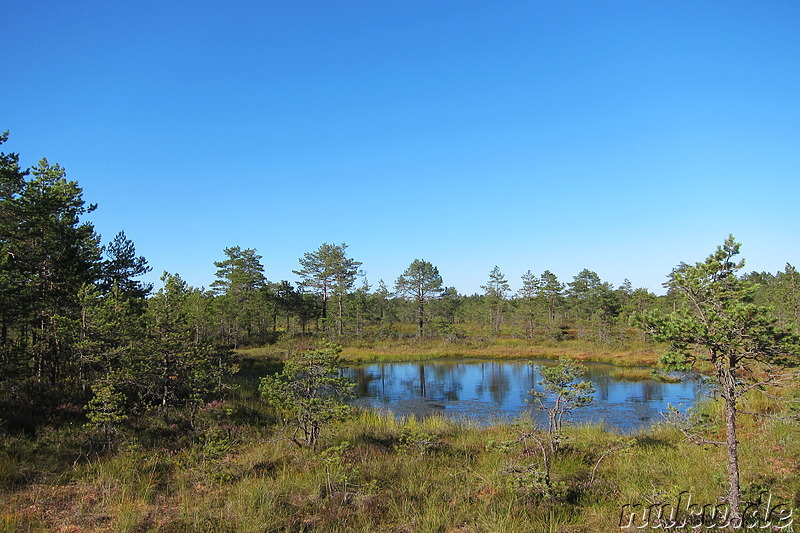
608 452
772 416
773 380
682 423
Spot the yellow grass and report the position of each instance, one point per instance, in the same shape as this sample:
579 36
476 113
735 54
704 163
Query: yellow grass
493 348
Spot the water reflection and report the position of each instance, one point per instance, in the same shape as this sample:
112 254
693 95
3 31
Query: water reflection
490 390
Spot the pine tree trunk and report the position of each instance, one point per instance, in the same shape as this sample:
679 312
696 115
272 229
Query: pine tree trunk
420 319
734 492
339 317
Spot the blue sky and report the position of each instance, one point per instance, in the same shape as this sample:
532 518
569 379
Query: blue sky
623 137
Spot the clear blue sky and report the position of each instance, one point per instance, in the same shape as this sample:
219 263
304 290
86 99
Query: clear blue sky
623 137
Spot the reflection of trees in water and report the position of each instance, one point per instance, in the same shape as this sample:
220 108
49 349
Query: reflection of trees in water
450 380
652 390
363 379
499 384
446 383
412 384
602 384
493 388
429 381
521 375
443 371
370 381
479 382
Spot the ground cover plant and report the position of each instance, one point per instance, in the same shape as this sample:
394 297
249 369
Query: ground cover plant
370 473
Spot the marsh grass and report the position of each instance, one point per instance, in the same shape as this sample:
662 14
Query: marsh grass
642 374
228 468
454 477
423 349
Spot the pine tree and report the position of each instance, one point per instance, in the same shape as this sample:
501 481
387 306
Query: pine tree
56 255
718 323
328 271
242 295
122 266
420 282
495 290
311 390
527 294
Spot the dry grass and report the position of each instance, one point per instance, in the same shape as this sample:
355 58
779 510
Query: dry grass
411 349
377 473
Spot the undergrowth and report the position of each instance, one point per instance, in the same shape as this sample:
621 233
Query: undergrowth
227 466
373 473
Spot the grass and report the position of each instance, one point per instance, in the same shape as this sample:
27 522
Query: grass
641 374
236 471
413 349
379 473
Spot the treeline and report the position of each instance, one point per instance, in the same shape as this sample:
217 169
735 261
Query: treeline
78 326
333 298
78 331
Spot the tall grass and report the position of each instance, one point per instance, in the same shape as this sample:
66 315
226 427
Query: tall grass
380 473
423 349
235 471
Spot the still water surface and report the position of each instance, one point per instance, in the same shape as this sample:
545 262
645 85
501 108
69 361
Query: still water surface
489 391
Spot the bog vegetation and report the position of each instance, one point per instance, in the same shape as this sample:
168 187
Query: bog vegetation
126 407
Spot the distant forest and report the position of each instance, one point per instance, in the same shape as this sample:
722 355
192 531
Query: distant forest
79 327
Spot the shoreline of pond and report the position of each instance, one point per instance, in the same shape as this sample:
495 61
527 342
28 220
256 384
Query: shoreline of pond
468 387
509 348
621 359
621 372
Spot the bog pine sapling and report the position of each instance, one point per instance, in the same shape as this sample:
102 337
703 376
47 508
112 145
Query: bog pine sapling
311 390
106 411
719 324
563 392
564 388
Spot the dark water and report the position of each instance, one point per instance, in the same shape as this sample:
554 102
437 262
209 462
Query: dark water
489 391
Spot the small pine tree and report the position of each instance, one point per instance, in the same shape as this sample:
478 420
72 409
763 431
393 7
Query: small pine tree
311 390
106 412
562 386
